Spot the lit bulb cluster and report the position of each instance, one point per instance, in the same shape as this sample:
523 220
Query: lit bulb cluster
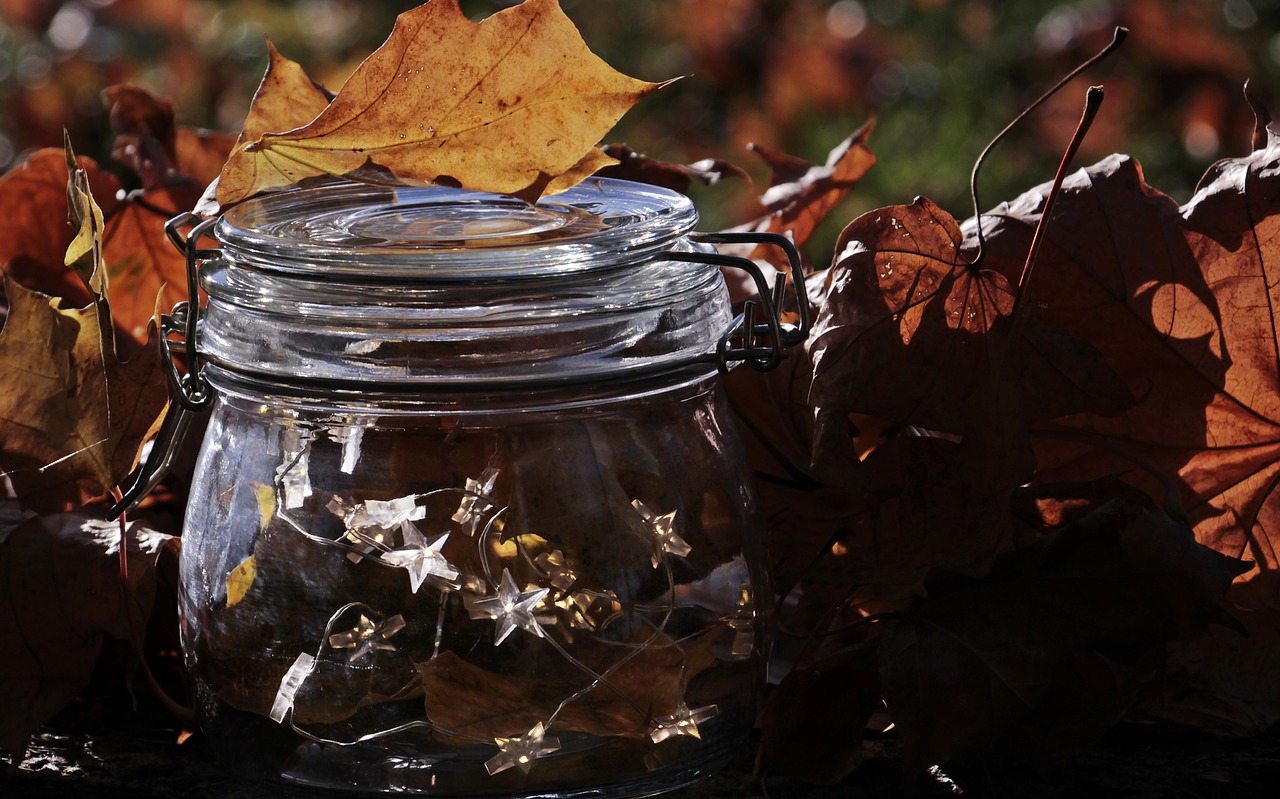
388 533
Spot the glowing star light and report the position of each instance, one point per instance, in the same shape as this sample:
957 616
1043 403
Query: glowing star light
683 722
371 525
511 608
368 635
475 503
557 571
521 752
423 561
668 540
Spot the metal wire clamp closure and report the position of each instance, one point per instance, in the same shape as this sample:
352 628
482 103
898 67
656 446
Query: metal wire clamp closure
761 344
189 393
778 335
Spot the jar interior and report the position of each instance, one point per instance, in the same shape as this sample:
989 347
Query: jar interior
537 599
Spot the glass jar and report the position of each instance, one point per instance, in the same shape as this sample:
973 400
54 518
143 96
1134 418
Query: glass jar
470 516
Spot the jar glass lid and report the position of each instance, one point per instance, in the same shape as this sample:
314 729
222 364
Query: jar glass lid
428 286
342 228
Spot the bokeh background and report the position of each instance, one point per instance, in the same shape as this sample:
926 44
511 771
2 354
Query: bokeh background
939 76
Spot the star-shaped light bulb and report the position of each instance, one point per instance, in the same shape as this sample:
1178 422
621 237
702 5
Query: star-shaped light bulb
475 504
511 608
372 524
521 752
683 722
368 635
664 532
423 560
556 569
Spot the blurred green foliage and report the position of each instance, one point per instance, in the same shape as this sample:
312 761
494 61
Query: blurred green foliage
940 77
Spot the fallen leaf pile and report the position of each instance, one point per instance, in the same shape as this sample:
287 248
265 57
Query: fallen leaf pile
996 536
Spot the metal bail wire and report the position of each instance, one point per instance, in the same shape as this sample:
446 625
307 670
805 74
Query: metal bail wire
762 345
189 393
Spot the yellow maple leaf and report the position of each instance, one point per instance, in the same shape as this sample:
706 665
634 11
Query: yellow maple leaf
507 105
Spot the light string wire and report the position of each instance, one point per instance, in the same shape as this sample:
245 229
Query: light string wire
490 528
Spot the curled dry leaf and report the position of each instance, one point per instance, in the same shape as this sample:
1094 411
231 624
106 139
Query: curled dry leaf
525 101
73 425
801 194
632 165
160 152
1180 301
36 235
60 595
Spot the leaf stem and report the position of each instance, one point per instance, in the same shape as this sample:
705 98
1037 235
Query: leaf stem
1092 102
1117 39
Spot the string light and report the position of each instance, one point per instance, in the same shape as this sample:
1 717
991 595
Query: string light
372 524
368 635
423 560
682 722
556 570
294 474
511 608
387 532
473 507
664 532
289 685
521 752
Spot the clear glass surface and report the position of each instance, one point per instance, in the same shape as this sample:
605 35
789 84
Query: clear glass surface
460 288
434 601
470 518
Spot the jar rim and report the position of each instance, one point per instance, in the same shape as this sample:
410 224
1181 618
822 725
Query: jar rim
344 229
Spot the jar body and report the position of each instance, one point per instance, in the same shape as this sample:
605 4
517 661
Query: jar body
549 594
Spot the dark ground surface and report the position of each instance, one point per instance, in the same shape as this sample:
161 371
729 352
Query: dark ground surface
135 756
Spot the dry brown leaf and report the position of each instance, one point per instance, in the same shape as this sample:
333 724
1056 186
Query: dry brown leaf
1180 301
140 261
75 417
801 194
35 236
465 699
524 102
903 332
145 132
161 153
632 165
822 747
60 594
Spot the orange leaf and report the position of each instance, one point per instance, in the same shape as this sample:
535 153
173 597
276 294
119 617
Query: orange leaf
139 259
801 194
74 416
35 235
506 105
